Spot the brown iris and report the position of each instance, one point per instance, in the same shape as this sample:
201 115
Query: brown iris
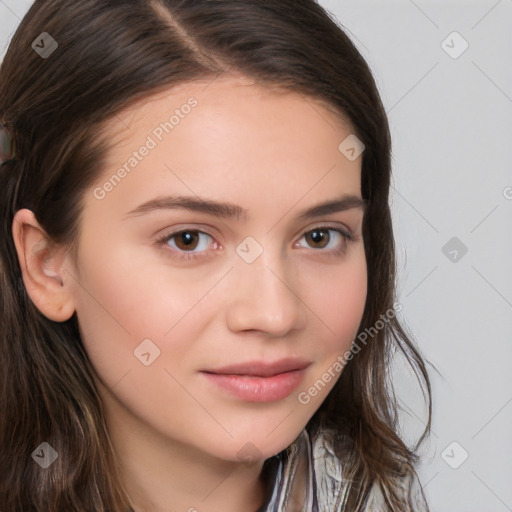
187 239
318 236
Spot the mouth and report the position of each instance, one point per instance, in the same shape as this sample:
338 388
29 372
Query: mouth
259 381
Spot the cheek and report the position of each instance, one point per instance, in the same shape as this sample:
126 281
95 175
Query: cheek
135 293
338 300
124 299
345 305
340 307
338 304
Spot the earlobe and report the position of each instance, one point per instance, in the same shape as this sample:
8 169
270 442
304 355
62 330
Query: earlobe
42 268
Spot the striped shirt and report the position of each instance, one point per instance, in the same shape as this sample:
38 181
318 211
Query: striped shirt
307 477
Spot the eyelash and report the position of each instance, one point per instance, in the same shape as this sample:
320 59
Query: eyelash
185 255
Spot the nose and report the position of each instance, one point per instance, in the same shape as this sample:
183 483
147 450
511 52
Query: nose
262 297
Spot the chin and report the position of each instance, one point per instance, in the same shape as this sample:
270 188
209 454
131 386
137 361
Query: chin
261 444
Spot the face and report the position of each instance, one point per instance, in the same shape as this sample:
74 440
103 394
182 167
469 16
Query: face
209 313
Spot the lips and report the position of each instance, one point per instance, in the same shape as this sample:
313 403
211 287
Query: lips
262 368
259 381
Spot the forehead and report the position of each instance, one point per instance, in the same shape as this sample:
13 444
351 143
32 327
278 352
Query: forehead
224 90
229 136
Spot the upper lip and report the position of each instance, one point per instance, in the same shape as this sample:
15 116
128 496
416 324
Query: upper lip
262 368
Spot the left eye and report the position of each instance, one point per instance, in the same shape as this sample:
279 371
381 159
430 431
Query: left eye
324 236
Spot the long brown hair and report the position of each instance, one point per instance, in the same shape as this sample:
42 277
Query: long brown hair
111 54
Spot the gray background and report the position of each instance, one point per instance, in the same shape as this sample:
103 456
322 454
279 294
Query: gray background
451 125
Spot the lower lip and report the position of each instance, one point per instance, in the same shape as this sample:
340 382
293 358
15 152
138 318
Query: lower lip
258 389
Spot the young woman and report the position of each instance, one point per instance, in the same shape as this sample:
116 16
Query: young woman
197 265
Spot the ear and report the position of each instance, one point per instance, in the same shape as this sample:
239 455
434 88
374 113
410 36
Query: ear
42 266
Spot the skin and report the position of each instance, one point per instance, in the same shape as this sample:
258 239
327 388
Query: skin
275 154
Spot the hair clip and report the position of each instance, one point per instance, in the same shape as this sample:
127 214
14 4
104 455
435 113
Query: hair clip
7 144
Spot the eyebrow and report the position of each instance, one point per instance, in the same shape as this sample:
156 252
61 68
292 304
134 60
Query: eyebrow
229 210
